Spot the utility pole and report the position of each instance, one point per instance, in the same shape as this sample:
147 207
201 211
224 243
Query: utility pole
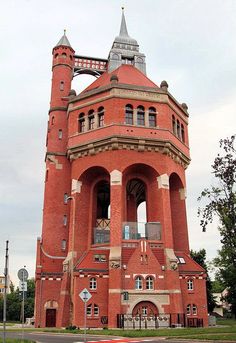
5 293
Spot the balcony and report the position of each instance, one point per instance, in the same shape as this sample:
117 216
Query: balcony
138 230
130 231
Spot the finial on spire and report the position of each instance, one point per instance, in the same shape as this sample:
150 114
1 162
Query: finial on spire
122 8
123 27
64 32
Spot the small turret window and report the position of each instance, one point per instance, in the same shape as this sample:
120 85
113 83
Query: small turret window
53 120
182 133
64 55
63 244
152 117
64 220
101 116
61 85
129 114
141 115
60 134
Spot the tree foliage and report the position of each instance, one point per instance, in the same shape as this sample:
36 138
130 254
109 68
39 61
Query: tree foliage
221 203
200 258
14 302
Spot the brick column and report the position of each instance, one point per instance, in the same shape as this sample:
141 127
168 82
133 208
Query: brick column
171 268
115 285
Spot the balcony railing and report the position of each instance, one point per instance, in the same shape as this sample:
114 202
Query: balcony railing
137 230
130 230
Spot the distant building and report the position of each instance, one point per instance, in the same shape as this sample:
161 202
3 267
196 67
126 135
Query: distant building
221 304
120 143
2 284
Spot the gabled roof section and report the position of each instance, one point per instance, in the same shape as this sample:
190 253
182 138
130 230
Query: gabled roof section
64 41
189 264
126 74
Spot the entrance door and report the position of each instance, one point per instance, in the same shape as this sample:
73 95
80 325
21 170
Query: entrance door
145 308
50 317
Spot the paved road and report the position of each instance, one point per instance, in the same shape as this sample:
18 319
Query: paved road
42 337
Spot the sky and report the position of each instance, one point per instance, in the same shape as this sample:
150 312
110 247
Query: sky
189 43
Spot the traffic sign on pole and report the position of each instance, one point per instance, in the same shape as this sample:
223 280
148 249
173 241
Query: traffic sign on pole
85 295
23 274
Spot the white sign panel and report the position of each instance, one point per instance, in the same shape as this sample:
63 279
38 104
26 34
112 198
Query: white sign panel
22 286
85 295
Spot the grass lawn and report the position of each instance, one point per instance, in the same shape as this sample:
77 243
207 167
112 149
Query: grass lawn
11 340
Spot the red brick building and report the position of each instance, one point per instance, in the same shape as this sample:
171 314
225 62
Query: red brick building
119 146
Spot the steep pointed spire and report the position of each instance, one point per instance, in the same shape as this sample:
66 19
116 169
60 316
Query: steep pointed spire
64 41
125 50
123 27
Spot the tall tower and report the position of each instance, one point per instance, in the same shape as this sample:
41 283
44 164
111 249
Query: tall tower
117 150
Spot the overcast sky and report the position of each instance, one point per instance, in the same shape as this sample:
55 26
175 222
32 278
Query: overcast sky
189 43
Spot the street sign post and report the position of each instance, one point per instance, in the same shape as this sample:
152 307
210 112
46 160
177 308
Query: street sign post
23 277
85 295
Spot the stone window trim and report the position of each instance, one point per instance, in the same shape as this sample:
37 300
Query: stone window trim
93 284
138 282
190 284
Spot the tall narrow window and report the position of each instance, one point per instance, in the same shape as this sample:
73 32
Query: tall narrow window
60 134
65 198
81 122
93 283
173 125
61 85
149 283
140 115
53 120
194 308
182 133
101 116
152 117
96 310
89 310
91 119
138 283
63 244
129 114
190 284
65 220
188 309
178 130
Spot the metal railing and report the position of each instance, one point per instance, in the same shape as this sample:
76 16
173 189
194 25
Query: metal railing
139 230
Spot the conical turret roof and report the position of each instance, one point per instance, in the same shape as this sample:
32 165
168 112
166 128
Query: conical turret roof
64 41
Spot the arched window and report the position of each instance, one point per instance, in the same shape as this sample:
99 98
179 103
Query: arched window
91 119
96 310
178 130
190 284
152 117
173 125
60 134
129 114
65 198
64 220
138 282
52 120
182 133
140 115
63 244
188 309
101 116
89 310
149 282
62 85
64 55
81 122
93 283
194 309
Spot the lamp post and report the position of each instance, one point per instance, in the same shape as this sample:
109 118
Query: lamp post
5 293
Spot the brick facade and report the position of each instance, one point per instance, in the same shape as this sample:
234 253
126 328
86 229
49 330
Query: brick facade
105 156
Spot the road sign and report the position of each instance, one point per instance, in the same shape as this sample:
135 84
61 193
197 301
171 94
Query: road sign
85 295
23 274
22 286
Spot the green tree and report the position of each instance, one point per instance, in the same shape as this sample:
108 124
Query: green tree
221 203
200 258
14 302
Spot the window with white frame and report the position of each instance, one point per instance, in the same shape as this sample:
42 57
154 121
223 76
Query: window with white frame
149 282
96 310
138 282
194 310
93 283
188 309
89 310
190 284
